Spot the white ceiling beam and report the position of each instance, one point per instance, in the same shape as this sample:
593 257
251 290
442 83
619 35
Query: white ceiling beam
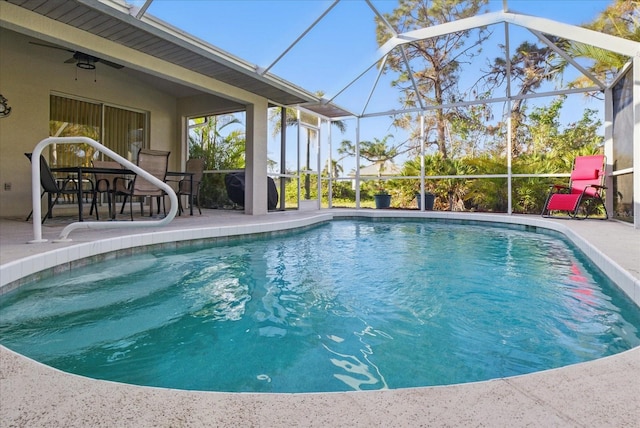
570 60
441 30
578 34
138 12
547 26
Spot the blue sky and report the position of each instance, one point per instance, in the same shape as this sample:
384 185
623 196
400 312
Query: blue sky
341 45
260 30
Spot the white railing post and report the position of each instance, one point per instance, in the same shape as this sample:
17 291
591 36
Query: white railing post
36 199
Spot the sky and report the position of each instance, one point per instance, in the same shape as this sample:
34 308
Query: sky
258 31
341 45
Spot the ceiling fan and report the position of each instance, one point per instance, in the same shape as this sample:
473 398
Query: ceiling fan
81 60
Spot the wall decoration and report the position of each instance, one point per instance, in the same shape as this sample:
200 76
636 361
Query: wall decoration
5 110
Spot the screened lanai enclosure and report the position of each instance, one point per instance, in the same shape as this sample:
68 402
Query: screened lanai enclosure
480 107
468 105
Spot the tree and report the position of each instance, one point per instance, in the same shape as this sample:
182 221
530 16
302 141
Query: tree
376 151
531 65
221 150
379 152
620 19
450 193
548 137
335 170
438 58
291 119
543 127
207 140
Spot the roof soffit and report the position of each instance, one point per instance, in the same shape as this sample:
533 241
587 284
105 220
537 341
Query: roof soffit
169 44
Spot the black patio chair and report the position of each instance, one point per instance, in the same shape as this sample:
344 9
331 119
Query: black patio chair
105 183
52 187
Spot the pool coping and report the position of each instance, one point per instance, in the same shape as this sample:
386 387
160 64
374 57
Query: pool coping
598 393
14 273
11 273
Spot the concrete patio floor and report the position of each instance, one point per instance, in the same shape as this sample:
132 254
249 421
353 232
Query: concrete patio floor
601 393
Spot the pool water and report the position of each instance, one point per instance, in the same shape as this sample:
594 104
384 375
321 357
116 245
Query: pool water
349 305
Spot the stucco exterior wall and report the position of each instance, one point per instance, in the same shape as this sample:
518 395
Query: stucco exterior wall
29 74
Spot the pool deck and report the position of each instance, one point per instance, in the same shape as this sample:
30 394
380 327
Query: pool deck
601 393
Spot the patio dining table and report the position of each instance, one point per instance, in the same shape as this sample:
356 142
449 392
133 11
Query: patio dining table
80 171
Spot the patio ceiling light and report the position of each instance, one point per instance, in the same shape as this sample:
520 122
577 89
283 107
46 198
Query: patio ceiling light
86 65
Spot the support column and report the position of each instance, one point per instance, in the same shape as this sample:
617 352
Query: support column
509 122
357 162
255 196
608 150
283 156
636 141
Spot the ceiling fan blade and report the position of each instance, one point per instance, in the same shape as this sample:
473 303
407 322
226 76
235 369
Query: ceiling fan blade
80 56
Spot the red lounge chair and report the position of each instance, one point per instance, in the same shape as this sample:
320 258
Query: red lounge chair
585 188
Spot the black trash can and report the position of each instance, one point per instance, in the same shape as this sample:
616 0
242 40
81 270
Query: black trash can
234 182
429 199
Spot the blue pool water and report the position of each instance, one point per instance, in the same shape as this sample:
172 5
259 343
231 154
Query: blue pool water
344 306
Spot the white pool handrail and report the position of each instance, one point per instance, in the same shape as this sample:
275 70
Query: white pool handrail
36 198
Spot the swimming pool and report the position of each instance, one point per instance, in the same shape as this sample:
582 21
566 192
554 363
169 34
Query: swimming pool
322 314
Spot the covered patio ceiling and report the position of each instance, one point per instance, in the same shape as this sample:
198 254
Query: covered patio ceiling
111 21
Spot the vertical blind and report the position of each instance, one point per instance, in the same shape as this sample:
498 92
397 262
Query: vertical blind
122 130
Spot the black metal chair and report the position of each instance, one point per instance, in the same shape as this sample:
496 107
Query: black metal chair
54 189
106 184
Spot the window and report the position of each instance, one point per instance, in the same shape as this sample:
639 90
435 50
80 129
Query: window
121 130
